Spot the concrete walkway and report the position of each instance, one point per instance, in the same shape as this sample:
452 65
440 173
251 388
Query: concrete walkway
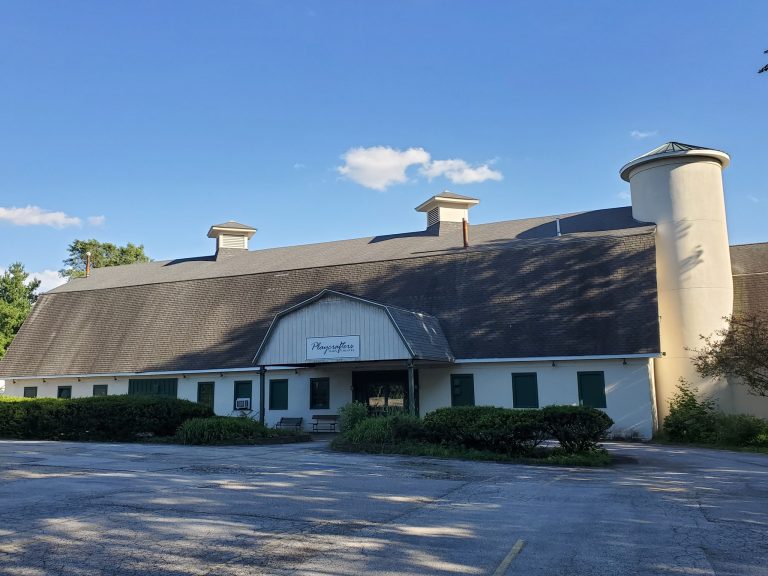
120 509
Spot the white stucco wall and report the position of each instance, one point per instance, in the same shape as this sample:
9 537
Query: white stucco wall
628 388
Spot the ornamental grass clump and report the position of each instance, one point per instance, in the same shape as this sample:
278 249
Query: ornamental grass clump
224 430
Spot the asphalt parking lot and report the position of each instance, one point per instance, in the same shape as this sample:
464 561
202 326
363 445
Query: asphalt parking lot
120 509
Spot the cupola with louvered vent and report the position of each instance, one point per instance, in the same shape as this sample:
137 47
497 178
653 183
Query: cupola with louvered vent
231 237
447 207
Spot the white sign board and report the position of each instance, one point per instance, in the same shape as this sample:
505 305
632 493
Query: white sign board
332 347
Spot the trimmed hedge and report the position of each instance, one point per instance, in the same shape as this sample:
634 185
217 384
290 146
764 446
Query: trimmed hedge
576 428
224 430
386 430
105 418
486 428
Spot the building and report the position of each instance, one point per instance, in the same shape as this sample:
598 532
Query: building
597 308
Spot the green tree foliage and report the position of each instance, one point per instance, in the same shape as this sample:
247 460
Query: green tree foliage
103 254
17 294
764 68
739 350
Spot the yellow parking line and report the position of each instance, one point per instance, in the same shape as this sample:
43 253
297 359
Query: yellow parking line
504 566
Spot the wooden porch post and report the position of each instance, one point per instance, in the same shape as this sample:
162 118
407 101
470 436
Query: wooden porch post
262 395
411 390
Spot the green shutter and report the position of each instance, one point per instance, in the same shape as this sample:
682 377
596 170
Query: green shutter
243 389
525 390
592 389
278 394
154 387
100 389
30 391
319 393
64 392
205 393
462 390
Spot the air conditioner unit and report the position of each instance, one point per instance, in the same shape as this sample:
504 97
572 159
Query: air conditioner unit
243 404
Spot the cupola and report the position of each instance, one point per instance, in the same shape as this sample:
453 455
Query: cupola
231 236
447 207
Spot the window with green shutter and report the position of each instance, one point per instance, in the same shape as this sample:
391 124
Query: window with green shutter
99 389
462 390
205 393
30 391
64 392
243 389
319 393
153 387
278 394
592 389
525 390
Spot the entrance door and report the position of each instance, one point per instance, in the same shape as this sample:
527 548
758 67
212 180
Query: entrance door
383 391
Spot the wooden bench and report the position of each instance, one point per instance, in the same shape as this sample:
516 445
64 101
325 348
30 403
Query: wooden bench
325 422
295 423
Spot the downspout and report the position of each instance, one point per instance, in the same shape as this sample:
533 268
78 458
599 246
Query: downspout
262 384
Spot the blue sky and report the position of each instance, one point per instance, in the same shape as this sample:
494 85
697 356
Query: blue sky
147 122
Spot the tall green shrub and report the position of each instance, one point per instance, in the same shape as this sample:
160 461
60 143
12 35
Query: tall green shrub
224 430
576 428
350 414
690 419
106 418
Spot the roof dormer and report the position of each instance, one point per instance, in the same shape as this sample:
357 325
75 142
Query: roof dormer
447 207
231 235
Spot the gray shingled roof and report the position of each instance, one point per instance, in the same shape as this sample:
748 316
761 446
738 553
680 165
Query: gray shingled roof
749 263
518 291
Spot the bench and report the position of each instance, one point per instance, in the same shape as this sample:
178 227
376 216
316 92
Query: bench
324 422
295 423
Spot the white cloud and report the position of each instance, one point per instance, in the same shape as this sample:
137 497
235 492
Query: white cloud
460 172
753 198
640 135
299 166
624 195
378 167
49 279
36 216
97 220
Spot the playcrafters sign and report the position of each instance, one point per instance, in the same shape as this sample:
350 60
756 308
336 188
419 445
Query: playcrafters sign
332 347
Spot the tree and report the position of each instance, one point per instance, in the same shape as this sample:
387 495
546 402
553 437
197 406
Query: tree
739 350
764 68
16 298
103 254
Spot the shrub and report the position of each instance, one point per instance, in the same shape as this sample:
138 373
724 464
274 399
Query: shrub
576 428
105 418
690 419
223 430
406 427
372 431
350 414
739 429
485 428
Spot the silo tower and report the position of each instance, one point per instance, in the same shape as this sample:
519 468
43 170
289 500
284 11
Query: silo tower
679 187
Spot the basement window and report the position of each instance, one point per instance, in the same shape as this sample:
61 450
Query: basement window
64 392
30 391
100 389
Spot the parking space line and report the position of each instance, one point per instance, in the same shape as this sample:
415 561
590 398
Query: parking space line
504 566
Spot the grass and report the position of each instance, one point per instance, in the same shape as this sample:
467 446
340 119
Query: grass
224 430
541 457
755 449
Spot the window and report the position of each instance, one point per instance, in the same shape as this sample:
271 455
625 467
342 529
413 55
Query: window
30 391
154 387
205 394
99 389
525 390
64 392
278 394
592 389
462 390
319 393
243 389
